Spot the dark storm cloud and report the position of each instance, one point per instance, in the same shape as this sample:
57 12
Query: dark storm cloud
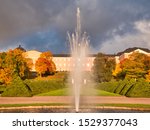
25 17
24 20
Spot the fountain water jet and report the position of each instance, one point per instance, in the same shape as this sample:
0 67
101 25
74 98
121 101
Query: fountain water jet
79 49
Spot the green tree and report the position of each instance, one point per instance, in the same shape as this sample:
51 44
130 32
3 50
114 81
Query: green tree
103 67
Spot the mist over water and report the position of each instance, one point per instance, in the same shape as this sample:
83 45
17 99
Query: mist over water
79 50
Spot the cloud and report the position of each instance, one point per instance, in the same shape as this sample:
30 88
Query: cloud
26 15
21 20
143 26
139 38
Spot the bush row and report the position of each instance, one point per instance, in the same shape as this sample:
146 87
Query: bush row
42 86
28 88
129 88
2 88
17 89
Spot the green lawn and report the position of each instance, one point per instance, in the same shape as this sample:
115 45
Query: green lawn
58 92
126 105
105 93
86 92
144 106
34 104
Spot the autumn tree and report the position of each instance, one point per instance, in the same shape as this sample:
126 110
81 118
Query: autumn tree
47 55
45 65
136 66
16 62
12 63
117 72
147 63
103 66
5 76
148 76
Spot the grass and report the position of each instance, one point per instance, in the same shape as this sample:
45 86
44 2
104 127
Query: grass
144 106
85 92
58 92
34 104
126 105
105 93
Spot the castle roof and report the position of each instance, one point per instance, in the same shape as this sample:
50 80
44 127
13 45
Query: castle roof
133 49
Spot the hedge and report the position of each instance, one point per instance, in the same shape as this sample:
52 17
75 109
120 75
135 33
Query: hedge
140 89
42 86
129 88
17 89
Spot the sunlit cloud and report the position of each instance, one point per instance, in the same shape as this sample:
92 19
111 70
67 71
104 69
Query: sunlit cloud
140 38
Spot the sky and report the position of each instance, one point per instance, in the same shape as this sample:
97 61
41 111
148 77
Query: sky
112 25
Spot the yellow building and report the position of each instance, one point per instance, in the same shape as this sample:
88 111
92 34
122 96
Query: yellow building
34 55
63 62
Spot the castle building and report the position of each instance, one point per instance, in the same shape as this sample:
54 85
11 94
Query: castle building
125 54
64 62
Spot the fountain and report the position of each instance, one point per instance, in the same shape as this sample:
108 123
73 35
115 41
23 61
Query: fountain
79 49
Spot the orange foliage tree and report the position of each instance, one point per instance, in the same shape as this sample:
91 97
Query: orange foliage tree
44 64
117 70
12 63
136 66
47 55
5 76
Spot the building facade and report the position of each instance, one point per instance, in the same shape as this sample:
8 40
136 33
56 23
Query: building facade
126 55
64 62
34 55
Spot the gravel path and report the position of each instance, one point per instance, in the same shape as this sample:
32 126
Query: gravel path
68 99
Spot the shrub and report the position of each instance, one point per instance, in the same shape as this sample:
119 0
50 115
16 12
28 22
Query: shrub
121 86
17 89
128 87
140 89
108 86
42 86
2 88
